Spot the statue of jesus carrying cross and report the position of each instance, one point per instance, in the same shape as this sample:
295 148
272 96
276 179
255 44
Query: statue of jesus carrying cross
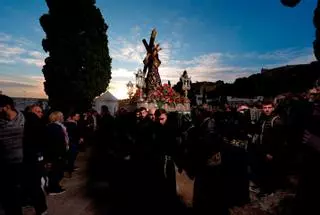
152 63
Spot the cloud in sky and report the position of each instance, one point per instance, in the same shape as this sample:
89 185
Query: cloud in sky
14 84
18 53
14 50
4 37
210 66
20 86
8 52
128 53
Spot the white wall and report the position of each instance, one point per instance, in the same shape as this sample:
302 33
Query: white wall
22 103
112 105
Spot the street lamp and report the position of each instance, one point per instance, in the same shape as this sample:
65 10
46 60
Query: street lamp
186 83
130 89
140 82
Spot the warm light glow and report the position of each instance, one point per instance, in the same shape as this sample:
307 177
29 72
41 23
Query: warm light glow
120 92
31 87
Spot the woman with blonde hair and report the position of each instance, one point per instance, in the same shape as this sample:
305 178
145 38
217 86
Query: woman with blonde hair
57 145
56 116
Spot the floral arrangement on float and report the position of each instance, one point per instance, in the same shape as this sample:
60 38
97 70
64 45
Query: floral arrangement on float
164 97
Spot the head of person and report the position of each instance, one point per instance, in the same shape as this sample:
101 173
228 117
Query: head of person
122 111
161 116
94 113
138 114
268 107
152 114
6 106
143 112
313 94
74 116
37 110
56 116
105 110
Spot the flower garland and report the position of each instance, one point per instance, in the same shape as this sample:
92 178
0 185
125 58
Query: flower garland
166 95
163 95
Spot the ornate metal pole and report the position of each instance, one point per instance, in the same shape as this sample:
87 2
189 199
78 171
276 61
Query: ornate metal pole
186 83
140 83
130 89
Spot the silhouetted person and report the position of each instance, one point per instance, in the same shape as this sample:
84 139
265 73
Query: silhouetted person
209 193
34 145
105 124
165 155
75 139
307 198
57 144
143 159
232 129
11 156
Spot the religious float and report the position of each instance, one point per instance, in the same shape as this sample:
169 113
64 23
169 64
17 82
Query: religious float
151 93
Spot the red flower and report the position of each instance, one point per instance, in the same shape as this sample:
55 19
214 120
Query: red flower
166 94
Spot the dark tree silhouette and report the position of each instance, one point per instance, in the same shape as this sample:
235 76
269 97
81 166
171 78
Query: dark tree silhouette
79 66
295 79
290 3
316 22
178 87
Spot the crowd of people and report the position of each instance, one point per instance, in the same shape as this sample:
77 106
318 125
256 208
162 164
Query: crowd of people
227 150
37 149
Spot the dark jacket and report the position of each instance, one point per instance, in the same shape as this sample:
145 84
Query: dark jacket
312 132
55 142
144 137
208 145
272 137
11 137
73 130
34 138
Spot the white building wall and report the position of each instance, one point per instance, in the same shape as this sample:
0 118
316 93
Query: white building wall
112 105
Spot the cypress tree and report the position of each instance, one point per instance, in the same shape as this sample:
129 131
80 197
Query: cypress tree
78 67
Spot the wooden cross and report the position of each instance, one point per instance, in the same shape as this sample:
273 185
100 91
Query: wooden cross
152 51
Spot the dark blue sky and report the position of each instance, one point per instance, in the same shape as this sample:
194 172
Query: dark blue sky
212 39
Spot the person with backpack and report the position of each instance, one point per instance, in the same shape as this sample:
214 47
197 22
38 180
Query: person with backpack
266 152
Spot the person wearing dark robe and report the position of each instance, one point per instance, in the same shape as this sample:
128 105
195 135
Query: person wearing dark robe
232 129
144 162
34 145
105 123
307 198
165 157
209 195
75 140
